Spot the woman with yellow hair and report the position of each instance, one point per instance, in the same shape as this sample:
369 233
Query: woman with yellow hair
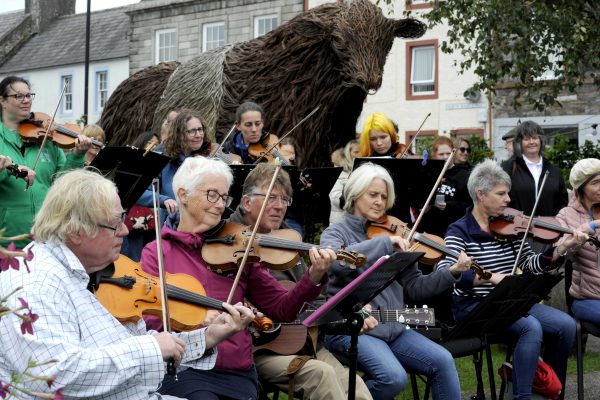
379 137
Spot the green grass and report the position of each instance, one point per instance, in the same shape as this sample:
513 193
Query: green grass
468 382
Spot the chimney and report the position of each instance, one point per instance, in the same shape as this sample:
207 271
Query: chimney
44 11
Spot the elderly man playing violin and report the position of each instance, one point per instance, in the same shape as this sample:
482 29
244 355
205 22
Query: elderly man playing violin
319 374
201 187
72 339
489 187
388 350
18 207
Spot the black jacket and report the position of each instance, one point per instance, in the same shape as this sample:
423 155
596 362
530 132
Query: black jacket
522 192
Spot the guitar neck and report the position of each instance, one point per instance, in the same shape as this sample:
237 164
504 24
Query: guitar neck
408 316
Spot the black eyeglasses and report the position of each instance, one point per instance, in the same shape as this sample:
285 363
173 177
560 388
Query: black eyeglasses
213 196
21 97
274 197
192 132
118 226
465 149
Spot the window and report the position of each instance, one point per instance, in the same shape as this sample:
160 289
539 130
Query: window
101 89
422 70
423 141
166 45
213 35
67 84
265 24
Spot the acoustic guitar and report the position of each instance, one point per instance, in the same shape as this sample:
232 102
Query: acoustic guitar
289 338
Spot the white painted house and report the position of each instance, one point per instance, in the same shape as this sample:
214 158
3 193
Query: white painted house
54 58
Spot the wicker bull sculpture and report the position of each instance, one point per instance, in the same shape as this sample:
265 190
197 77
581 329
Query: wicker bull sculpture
332 56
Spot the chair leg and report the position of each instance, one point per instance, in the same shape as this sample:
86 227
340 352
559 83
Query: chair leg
578 338
490 368
478 364
414 386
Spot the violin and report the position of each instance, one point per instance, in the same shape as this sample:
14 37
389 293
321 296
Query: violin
278 250
225 157
33 129
513 223
392 226
127 292
433 246
266 149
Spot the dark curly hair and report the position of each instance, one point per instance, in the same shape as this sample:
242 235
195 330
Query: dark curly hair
175 143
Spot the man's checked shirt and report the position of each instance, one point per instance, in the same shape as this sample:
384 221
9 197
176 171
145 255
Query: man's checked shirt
97 357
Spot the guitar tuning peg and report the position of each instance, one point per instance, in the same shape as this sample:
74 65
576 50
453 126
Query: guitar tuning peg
407 327
343 263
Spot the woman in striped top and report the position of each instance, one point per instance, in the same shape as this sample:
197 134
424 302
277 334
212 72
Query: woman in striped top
489 186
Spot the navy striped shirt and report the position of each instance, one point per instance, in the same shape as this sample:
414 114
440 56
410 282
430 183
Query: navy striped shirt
492 254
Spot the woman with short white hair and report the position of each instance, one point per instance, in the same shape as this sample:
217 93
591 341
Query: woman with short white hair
201 187
388 350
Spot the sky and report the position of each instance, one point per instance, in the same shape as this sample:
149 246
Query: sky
80 5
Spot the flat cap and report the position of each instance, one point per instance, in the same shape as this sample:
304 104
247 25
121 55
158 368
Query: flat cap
510 134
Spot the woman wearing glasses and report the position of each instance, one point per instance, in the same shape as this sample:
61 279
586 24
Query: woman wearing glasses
452 197
201 188
17 206
186 138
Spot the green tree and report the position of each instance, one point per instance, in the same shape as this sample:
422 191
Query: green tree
518 41
564 154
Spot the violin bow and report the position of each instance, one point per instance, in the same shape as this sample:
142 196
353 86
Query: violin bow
435 186
223 141
288 133
530 222
254 231
171 370
412 141
62 93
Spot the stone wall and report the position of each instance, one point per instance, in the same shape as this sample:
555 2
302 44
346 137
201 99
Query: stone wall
585 101
187 17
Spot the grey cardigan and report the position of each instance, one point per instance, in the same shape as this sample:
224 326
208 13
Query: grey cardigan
352 232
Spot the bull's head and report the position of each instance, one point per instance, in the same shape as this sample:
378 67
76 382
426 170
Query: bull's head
362 38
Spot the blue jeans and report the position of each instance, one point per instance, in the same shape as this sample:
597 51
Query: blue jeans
554 327
587 310
385 364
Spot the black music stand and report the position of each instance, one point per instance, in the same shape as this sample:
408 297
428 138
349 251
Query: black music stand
130 170
413 180
510 300
311 190
348 302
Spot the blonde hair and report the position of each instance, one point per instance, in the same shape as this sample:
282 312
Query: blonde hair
359 181
342 157
77 201
94 132
379 122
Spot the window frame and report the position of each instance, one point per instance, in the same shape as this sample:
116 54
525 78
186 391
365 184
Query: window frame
422 4
205 28
157 47
98 97
68 94
409 62
258 18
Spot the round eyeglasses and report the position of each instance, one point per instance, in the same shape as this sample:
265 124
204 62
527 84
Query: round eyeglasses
275 197
213 196
22 96
195 131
